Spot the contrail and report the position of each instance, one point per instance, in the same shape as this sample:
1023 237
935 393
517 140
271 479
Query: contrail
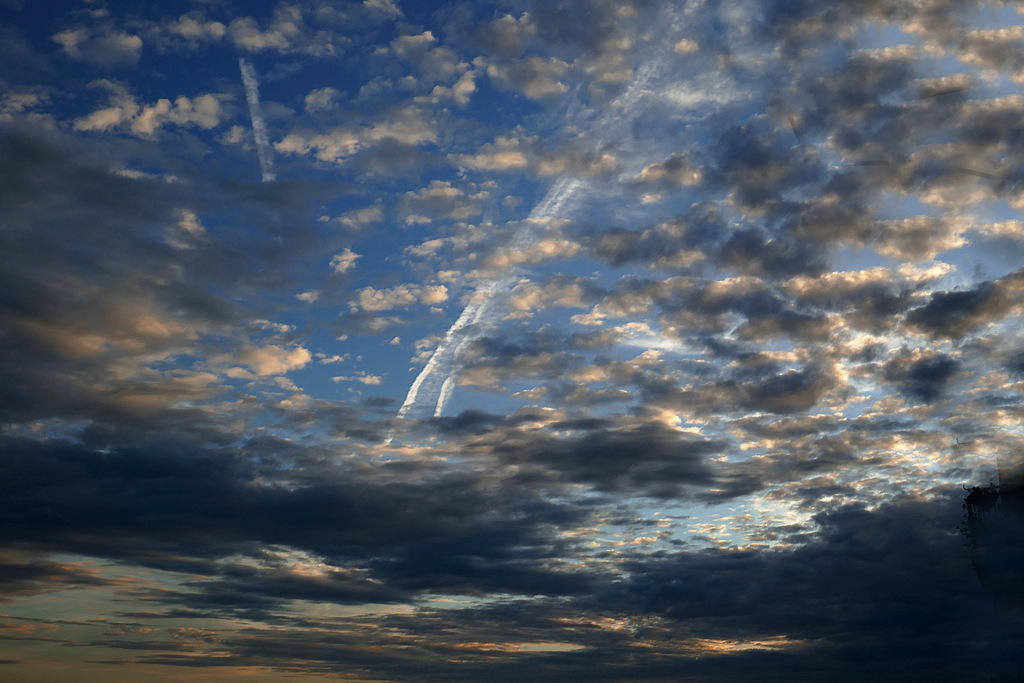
259 126
436 378
434 386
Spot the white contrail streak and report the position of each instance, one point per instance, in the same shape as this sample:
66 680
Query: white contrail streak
436 382
259 126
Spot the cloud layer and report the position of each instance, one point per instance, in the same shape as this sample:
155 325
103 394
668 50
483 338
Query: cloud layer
577 340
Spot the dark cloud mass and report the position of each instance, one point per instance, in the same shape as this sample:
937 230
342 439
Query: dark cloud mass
515 341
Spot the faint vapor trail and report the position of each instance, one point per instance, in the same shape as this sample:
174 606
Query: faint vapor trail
436 378
434 386
259 126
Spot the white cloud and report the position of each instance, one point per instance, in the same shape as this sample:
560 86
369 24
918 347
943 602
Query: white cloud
542 250
919 238
508 35
440 199
460 92
362 377
345 261
275 360
535 76
413 46
334 146
146 120
360 218
401 296
286 33
686 46
321 99
386 7
246 33
188 232
103 47
195 29
409 126
504 154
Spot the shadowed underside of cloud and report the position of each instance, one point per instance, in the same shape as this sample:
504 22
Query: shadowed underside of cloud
879 590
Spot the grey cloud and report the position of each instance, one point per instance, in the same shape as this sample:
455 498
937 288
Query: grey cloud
181 507
103 46
789 391
881 590
956 313
922 376
645 458
752 251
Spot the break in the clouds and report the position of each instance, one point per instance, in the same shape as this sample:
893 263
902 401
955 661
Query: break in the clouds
576 340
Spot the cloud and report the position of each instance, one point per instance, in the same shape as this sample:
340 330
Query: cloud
344 261
536 77
286 32
407 127
104 47
321 99
275 360
956 313
195 29
921 375
440 199
506 36
400 296
504 154
147 120
675 170
741 296
387 8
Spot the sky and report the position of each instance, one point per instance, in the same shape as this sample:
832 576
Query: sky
505 340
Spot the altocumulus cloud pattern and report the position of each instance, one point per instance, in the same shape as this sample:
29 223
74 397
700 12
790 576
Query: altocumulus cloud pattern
548 341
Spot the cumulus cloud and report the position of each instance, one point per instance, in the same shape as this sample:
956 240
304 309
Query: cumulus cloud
195 29
408 127
400 296
387 8
535 76
275 360
344 261
102 47
286 32
146 120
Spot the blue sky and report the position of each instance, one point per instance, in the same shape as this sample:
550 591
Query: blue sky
571 340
